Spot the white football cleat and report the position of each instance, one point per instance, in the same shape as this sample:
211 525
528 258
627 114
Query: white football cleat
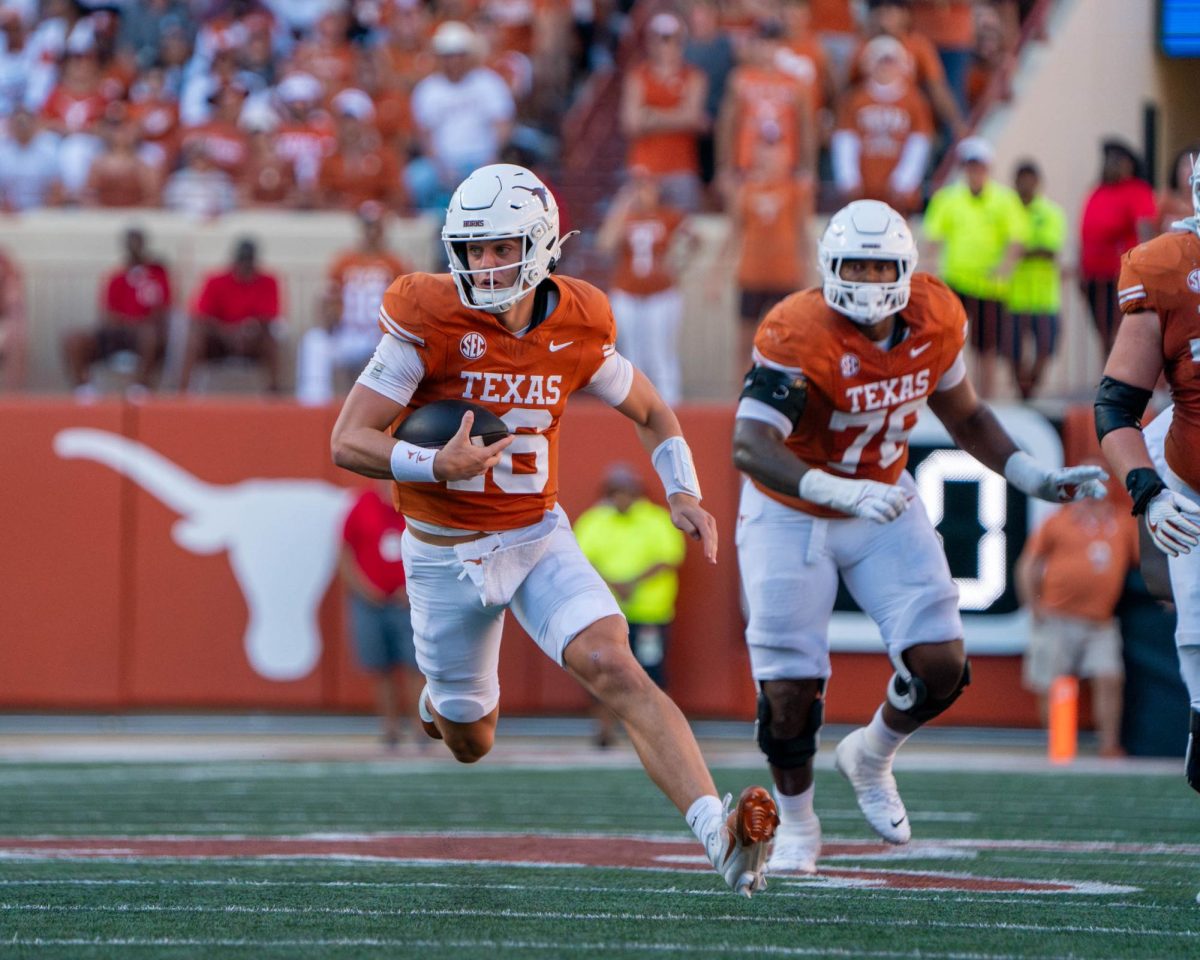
797 846
739 848
874 786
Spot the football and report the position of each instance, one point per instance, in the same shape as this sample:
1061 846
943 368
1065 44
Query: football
435 423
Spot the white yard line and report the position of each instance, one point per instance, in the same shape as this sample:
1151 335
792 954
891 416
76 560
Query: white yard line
599 915
724 949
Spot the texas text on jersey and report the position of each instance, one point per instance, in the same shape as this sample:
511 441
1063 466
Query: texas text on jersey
1163 276
525 380
863 400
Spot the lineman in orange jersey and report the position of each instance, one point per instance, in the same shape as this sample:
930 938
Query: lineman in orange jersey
840 375
1159 294
483 528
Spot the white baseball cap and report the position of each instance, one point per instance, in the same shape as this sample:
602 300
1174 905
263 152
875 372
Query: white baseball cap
354 103
975 150
453 37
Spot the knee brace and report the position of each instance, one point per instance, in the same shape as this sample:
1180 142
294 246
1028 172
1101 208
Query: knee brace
908 693
792 752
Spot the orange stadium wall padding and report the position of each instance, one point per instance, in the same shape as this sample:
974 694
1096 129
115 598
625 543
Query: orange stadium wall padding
181 554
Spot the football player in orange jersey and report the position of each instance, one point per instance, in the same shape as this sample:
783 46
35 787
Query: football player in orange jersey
840 375
484 531
1159 295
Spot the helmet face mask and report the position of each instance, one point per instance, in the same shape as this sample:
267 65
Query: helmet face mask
867 230
501 202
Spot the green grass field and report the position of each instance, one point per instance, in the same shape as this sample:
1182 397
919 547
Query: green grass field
341 859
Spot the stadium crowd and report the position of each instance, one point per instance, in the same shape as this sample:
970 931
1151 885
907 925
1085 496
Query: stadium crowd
766 110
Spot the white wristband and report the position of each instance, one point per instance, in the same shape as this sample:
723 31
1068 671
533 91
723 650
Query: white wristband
412 464
673 461
1023 472
817 486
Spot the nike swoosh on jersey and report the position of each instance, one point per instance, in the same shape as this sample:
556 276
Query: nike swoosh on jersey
917 351
555 347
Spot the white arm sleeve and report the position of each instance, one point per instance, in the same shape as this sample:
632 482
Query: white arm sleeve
394 370
750 409
910 168
612 382
844 150
953 375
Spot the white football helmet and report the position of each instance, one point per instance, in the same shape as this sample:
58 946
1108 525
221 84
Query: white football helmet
1193 222
502 201
867 230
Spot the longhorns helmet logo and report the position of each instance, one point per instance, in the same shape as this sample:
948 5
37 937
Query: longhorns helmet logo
540 192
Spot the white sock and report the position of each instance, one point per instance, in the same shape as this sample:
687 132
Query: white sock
881 738
797 808
1189 669
704 816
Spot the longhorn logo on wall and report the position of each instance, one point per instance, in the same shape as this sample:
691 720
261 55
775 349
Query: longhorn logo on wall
281 536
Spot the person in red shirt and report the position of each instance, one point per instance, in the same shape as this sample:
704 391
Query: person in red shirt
380 621
134 301
1118 215
235 313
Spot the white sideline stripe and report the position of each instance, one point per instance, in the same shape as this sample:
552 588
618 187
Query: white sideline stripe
231 909
808 888
726 949
930 847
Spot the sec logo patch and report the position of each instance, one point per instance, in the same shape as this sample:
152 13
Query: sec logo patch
472 346
850 365
1194 281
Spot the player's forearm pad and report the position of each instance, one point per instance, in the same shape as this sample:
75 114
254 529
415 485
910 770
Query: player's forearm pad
412 464
673 461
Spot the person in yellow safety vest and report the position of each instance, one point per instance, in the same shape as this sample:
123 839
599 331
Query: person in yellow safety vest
632 543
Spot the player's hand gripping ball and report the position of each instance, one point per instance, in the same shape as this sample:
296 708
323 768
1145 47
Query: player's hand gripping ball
434 424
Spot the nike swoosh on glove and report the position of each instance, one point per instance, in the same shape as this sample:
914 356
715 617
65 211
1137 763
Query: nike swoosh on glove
869 499
1173 522
1063 485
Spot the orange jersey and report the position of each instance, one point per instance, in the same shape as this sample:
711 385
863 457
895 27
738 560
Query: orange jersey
1163 276
862 401
766 110
667 151
350 180
361 279
772 214
642 266
469 355
883 127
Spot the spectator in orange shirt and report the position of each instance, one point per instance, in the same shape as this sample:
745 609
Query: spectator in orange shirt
950 24
223 138
645 296
1071 575
768 240
406 58
803 55
764 103
156 112
73 110
361 168
327 55
349 332
881 145
305 135
13 333
267 179
134 301
236 313
662 113
118 177
893 18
